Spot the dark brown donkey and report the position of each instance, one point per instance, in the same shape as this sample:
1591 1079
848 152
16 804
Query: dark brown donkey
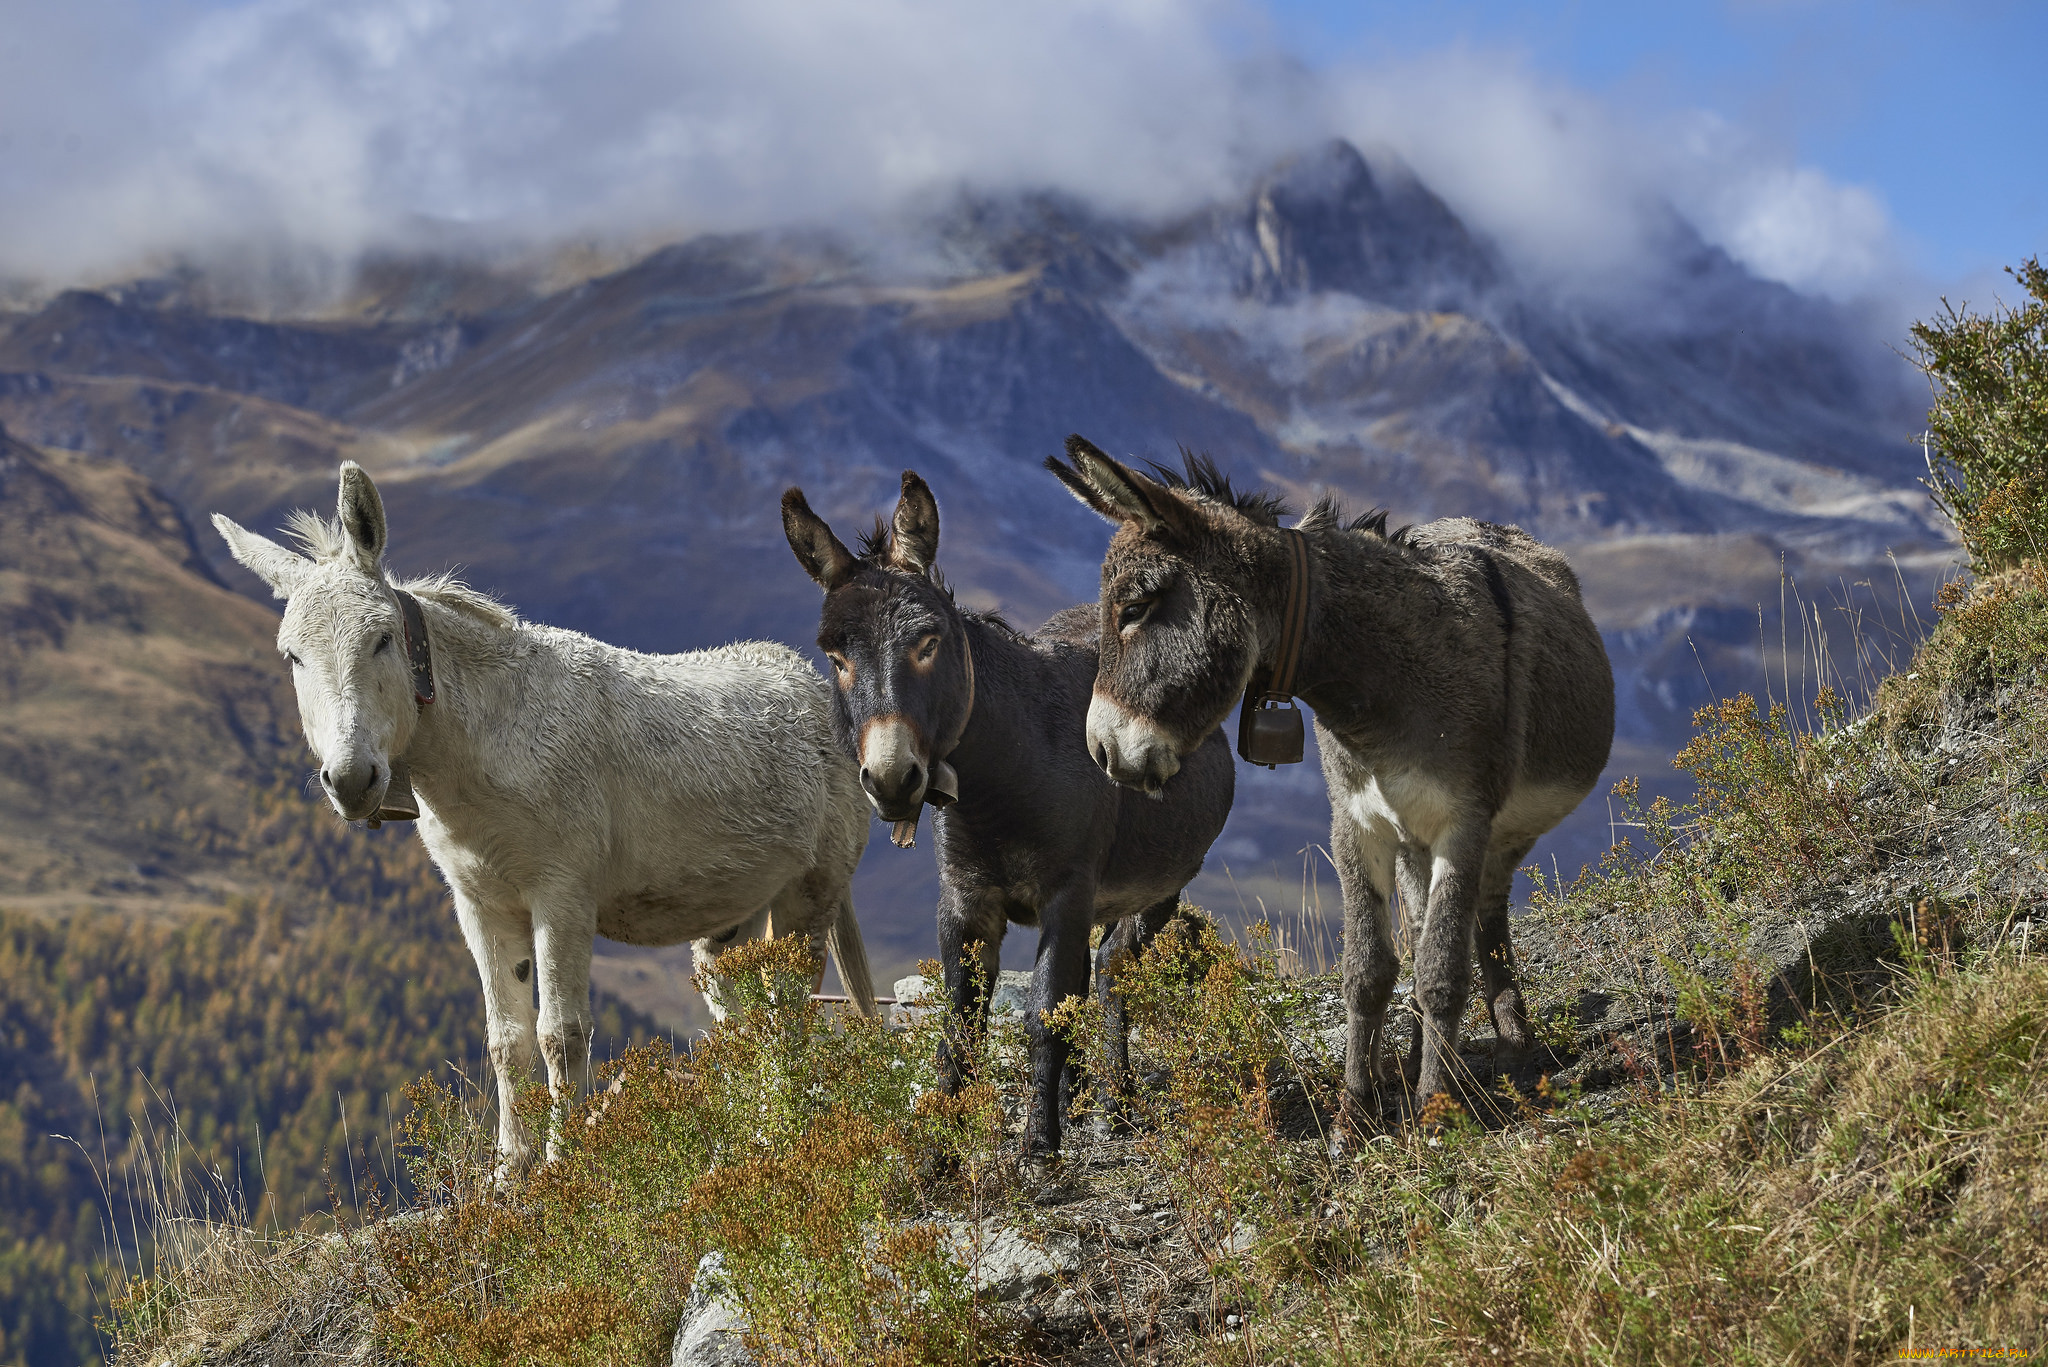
1037 834
1463 706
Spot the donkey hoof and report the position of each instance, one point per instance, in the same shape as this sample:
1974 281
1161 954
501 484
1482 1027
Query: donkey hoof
1039 1168
1511 1024
513 1167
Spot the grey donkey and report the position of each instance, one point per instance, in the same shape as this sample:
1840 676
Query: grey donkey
936 703
1463 704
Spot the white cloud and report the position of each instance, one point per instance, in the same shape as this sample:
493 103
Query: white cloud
1579 190
147 127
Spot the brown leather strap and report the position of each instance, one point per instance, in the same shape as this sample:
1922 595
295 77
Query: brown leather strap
1294 618
399 803
419 654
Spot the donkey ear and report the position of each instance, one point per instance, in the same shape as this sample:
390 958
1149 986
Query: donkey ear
1080 488
1115 490
273 564
914 532
361 514
823 555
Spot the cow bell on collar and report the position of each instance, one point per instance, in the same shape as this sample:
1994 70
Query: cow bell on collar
1269 732
942 789
399 804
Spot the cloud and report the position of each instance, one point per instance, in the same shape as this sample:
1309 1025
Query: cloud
148 128
1580 191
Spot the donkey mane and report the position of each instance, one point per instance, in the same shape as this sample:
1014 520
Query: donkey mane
452 593
1200 476
1328 513
323 539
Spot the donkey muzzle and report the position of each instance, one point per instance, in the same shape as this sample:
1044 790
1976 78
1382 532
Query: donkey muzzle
891 773
1131 749
355 791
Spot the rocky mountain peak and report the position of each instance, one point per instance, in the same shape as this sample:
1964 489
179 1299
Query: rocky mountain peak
1326 220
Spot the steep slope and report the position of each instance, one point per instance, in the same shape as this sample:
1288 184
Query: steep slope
134 688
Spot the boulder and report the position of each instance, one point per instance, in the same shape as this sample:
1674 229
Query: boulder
917 993
1007 1263
710 1334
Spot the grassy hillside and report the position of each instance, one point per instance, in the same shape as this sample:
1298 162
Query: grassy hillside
1791 1105
135 691
249 1058
1735 1146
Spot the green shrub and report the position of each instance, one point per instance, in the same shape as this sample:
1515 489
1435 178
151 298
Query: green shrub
797 1144
1988 428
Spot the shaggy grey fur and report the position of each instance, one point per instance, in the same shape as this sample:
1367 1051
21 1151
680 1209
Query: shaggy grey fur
1463 702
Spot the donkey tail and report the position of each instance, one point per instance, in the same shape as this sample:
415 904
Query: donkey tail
843 942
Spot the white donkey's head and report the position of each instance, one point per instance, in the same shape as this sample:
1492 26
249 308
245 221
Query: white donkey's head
344 637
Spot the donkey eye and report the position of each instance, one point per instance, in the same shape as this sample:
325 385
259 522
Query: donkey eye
293 660
839 665
383 644
926 648
1130 614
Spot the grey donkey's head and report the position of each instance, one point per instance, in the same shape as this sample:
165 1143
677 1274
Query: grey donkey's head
1180 618
896 643
342 635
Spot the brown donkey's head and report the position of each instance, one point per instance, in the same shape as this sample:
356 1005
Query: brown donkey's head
896 643
1180 608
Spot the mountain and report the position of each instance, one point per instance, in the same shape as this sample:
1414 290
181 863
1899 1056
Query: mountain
134 687
605 447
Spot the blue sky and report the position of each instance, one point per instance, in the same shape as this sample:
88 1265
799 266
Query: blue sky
1940 108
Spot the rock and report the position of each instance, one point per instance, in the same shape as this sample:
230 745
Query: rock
712 1325
918 993
1008 1264
1012 996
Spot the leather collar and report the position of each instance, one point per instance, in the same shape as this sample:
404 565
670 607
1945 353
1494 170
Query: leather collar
399 804
1269 728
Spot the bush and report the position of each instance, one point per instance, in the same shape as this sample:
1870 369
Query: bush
1988 428
799 1146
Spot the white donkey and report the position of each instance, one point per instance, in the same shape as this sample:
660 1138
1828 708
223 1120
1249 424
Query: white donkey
566 788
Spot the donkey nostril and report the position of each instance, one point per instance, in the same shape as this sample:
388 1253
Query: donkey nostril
912 777
326 779
1101 755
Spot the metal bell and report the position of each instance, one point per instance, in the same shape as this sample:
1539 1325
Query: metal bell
399 803
1271 734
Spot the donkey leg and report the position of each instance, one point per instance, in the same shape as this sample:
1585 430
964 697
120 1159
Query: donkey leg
1061 971
1443 961
1411 871
1365 872
502 945
1496 947
704 953
967 919
562 934
1125 941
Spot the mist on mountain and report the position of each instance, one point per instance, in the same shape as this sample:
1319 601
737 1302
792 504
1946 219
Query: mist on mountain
600 435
